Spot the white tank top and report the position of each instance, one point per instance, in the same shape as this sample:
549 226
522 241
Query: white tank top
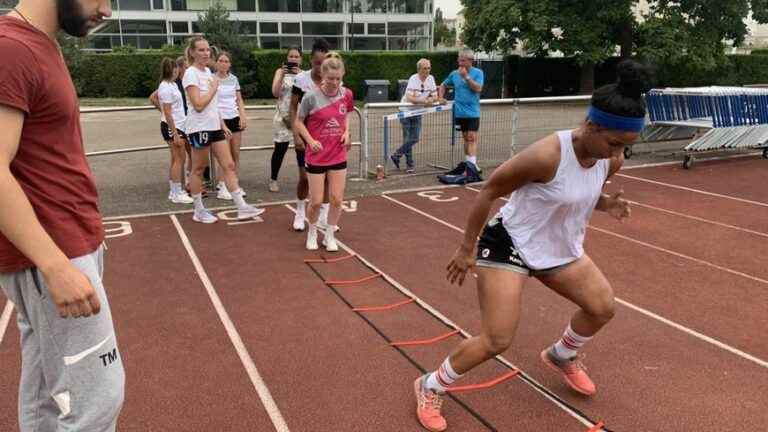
547 221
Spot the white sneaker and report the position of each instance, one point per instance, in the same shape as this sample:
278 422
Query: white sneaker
204 216
223 193
249 212
298 221
182 198
273 186
323 225
330 241
312 237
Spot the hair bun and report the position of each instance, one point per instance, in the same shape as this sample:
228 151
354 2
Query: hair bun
632 79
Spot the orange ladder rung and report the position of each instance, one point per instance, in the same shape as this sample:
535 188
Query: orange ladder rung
485 385
353 282
425 341
597 427
382 308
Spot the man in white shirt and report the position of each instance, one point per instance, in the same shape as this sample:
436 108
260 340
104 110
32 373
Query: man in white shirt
421 90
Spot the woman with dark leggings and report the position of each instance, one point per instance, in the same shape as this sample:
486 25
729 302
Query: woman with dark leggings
282 135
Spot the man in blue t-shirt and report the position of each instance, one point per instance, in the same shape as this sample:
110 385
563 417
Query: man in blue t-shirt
467 82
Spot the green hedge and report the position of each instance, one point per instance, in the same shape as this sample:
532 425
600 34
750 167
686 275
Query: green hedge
137 74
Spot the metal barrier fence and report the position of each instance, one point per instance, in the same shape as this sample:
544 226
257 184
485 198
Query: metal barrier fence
506 126
354 171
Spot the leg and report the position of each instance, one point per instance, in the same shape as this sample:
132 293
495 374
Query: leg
499 293
221 150
584 284
470 145
316 192
277 159
413 138
337 180
82 371
234 148
199 163
302 187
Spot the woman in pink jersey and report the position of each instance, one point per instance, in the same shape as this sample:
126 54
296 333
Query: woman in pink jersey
322 123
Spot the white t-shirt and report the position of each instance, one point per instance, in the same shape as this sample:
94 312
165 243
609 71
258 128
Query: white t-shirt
208 119
304 82
168 93
227 94
419 89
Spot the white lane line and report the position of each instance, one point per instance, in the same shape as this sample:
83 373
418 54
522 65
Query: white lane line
447 321
5 318
696 218
699 191
250 367
190 211
652 315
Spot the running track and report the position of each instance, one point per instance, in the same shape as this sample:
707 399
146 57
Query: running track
224 327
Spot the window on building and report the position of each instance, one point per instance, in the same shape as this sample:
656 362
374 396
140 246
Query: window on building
334 42
377 28
356 28
248 27
135 5
177 5
246 5
179 27
367 43
157 5
408 29
279 5
269 27
320 6
198 5
291 28
323 28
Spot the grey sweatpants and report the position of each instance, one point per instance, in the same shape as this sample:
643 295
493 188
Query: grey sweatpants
72 376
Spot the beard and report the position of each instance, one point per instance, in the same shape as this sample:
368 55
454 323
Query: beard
71 18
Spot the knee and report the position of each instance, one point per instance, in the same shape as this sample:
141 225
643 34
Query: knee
496 343
315 203
335 200
198 169
601 312
229 166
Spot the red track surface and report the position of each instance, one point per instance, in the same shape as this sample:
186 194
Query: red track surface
328 369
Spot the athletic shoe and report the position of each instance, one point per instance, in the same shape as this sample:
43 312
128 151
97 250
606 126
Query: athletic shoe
182 198
244 194
223 193
329 241
395 160
323 225
312 237
249 212
273 186
428 404
298 221
204 216
573 371
409 170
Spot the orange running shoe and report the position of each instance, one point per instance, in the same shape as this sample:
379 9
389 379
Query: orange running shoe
428 405
574 372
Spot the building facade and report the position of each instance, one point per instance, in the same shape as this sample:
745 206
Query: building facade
345 24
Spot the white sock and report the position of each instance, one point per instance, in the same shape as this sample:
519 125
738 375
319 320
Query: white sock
439 380
237 196
176 188
568 345
472 159
301 206
198 202
324 208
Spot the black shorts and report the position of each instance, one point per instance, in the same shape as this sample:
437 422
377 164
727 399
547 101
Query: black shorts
201 140
166 132
315 169
495 249
233 124
468 124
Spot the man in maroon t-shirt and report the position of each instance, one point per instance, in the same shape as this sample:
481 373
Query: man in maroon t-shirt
51 232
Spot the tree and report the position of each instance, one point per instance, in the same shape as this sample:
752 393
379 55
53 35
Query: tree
73 57
695 33
587 31
442 35
225 35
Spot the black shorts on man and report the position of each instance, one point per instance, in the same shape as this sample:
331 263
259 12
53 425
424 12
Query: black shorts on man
468 124
315 169
203 139
233 124
166 132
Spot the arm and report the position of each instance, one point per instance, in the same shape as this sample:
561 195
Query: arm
277 83
537 163
69 288
441 92
300 130
200 102
241 110
614 204
292 115
154 100
476 87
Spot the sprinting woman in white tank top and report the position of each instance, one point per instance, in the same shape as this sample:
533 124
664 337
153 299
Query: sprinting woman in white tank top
553 185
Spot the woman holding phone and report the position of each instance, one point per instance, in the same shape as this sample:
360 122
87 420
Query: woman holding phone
282 133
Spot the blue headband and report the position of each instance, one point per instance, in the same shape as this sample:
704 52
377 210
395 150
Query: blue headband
615 122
